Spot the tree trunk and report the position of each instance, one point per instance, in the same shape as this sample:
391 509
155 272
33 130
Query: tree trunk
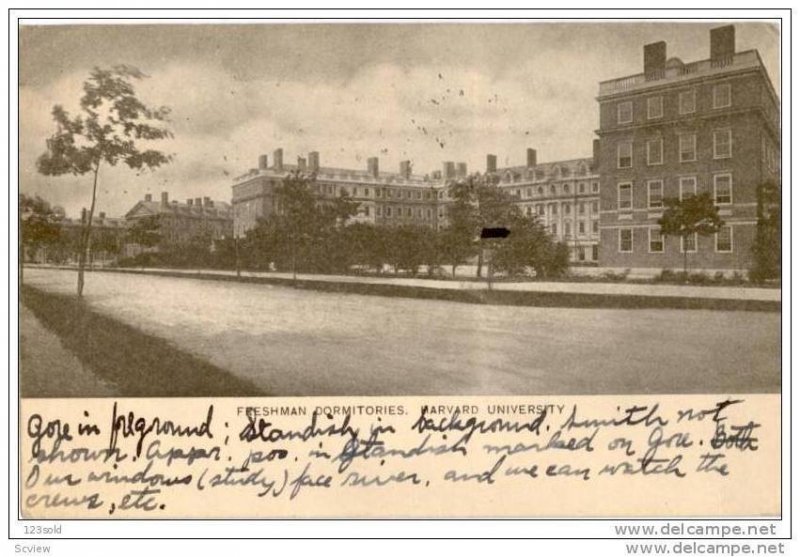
685 259
479 271
87 232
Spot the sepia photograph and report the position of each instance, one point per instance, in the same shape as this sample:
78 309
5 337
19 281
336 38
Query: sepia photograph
383 208
406 270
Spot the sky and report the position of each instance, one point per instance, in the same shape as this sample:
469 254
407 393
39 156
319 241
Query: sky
429 93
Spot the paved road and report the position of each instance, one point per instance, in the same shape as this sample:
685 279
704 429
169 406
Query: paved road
300 342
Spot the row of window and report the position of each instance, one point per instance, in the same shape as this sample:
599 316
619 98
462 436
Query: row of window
583 226
722 148
583 208
723 241
540 191
355 191
687 186
687 103
398 212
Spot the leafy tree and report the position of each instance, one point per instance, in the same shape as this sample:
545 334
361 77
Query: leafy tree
695 214
767 245
38 225
145 231
110 130
530 246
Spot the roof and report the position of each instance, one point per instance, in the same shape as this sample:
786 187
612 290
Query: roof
221 209
556 170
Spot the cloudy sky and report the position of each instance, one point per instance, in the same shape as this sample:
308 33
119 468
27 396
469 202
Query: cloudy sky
349 91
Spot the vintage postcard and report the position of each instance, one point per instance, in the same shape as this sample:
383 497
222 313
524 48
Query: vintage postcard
383 268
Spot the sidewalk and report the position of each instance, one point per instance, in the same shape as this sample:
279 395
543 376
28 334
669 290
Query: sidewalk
590 288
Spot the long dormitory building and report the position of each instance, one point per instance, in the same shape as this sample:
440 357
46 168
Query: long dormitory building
563 195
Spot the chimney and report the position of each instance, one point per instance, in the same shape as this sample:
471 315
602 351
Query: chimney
102 215
596 155
491 163
655 60
301 164
723 42
262 162
448 170
461 170
531 158
148 197
189 202
198 201
436 174
277 160
164 199
405 169
372 166
84 215
206 202
313 161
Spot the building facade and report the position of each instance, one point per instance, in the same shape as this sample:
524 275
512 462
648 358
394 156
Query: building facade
183 222
678 129
562 195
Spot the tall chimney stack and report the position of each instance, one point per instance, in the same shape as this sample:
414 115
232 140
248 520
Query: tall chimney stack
448 170
148 197
405 169
313 161
491 163
531 158
301 164
189 201
596 155
84 215
372 166
164 199
723 42
262 162
277 160
461 170
198 201
206 202
655 60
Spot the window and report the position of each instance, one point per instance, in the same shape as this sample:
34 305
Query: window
625 196
594 252
722 189
688 186
567 229
686 103
430 213
625 154
567 208
554 209
595 207
722 144
366 211
689 243
595 187
625 112
530 192
566 188
378 210
655 151
626 240
656 241
655 107
408 212
378 193
655 194
528 210
388 212
582 208
721 95
725 239
541 190
595 228
554 229
582 187
687 147
581 227
540 210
